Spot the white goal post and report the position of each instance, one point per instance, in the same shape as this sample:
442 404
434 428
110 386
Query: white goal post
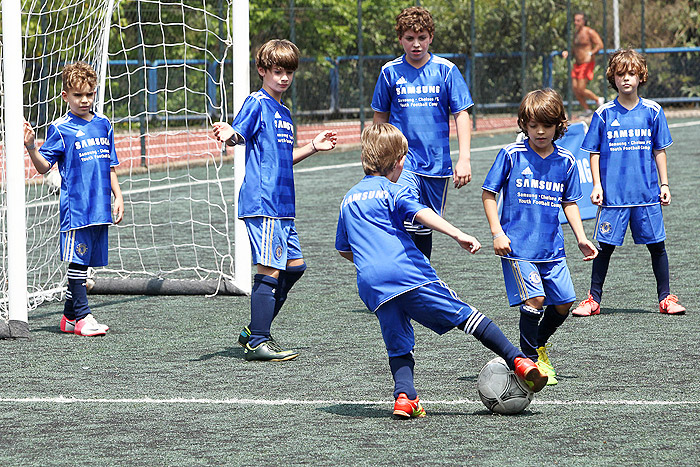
165 71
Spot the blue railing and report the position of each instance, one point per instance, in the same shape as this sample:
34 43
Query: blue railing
341 98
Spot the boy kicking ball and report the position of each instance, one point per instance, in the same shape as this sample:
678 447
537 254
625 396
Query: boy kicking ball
396 281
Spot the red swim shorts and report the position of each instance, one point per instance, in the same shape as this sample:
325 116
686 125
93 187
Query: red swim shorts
583 71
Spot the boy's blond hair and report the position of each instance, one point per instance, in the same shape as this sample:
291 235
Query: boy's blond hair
416 19
544 106
383 145
277 52
78 75
627 60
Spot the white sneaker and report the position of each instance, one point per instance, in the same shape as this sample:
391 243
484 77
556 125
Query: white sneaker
68 325
89 327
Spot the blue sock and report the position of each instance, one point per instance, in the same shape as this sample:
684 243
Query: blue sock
402 371
287 279
600 270
77 276
262 308
491 336
424 243
529 324
549 324
659 263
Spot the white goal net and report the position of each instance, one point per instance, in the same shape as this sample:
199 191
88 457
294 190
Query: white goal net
164 69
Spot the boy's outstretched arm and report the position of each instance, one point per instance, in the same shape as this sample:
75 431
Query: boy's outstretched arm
42 165
660 157
118 207
429 218
597 192
573 215
224 133
463 167
324 141
501 242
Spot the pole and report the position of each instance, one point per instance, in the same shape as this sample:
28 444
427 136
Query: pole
605 43
569 32
472 68
240 11
293 38
523 52
644 45
14 164
360 60
616 23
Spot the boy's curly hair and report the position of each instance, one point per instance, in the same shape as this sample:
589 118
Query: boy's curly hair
78 75
627 60
543 106
277 52
414 19
383 145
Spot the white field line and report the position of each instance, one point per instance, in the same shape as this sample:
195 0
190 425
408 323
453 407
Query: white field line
267 402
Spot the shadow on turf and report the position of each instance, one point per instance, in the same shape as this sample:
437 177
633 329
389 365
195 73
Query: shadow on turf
229 352
373 411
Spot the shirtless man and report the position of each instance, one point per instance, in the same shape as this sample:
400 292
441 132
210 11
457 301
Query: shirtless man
587 43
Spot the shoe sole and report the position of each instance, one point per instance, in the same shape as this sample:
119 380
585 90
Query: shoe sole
405 416
281 359
537 378
583 315
672 313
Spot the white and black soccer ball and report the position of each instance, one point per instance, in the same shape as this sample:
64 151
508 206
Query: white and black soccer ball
500 390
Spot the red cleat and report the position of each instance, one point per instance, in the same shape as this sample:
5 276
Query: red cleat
587 307
407 408
670 306
528 371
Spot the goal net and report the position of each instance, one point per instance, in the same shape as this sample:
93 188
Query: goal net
164 68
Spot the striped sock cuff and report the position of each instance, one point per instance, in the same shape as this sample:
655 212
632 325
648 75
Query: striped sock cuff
473 322
76 274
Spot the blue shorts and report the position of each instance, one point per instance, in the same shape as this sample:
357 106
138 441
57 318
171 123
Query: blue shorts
646 224
273 241
430 191
433 305
88 246
525 280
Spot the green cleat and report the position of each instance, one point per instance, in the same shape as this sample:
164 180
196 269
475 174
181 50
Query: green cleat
545 365
269 351
244 336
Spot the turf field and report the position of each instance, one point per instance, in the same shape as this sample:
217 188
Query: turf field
169 386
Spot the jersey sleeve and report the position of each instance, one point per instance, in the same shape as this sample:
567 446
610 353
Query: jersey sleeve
113 159
572 191
460 97
341 235
594 136
406 204
248 122
499 172
661 135
54 147
381 100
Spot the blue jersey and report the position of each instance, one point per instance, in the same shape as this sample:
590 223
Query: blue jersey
533 189
370 226
268 185
626 140
419 102
85 153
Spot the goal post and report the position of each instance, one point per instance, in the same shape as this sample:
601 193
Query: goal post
166 72
16 324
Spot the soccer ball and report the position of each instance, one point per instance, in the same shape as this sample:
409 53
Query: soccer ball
500 390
